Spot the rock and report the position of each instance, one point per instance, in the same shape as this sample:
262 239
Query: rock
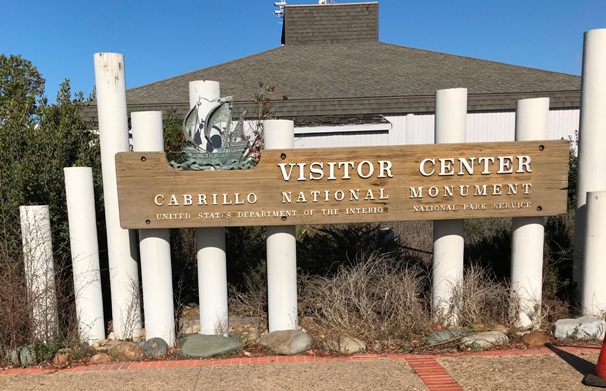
106 344
13 357
287 342
444 335
486 339
500 328
253 335
535 339
127 351
191 329
60 360
27 355
346 345
205 346
585 327
111 336
100 358
155 347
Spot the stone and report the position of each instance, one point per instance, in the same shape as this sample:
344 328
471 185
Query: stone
100 358
127 351
192 329
500 328
60 360
106 344
586 327
27 355
204 346
287 342
444 335
13 357
535 339
346 345
155 347
486 339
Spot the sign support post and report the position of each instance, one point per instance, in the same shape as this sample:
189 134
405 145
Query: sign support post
448 246
281 246
154 244
211 256
528 233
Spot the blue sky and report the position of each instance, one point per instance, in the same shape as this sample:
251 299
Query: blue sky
162 39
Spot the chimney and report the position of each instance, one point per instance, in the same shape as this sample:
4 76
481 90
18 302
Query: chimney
330 24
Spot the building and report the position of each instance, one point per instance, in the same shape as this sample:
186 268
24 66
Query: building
347 88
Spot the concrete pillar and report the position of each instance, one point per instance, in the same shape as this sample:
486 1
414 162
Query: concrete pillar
281 246
84 247
39 270
448 246
528 233
121 243
212 260
592 142
593 299
154 244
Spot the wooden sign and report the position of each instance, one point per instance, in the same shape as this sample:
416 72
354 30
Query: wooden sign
344 185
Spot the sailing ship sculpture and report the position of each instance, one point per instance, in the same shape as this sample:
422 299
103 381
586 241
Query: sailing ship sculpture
205 149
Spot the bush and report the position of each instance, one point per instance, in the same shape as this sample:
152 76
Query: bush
37 140
374 299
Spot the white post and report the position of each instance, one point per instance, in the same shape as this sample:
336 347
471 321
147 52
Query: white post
281 246
528 237
448 246
212 261
154 244
591 175
39 270
121 245
593 299
84 247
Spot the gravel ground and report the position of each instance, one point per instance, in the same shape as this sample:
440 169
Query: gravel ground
365 375
532 372
528 373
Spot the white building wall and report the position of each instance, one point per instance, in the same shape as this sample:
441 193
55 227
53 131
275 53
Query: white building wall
419 129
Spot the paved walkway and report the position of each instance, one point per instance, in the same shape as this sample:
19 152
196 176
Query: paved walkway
553 368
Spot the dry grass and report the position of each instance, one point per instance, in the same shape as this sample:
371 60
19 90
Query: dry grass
381 302
483 299
373 299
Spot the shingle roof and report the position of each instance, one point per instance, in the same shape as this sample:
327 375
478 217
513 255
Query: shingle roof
366 77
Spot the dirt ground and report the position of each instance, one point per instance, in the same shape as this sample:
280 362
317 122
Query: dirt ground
559 371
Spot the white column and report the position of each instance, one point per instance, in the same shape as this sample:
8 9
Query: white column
410 129
592 141
121 244
84 247
593 299
39 270
154 244
212 261
528 237
281 246
448 246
